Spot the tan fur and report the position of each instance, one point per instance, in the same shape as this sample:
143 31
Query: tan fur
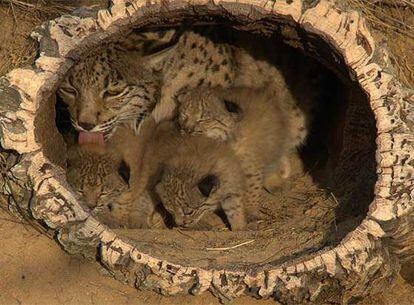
260 132
196 60
93 172
113 85
220 65
173 164
129 145
262 75
217 123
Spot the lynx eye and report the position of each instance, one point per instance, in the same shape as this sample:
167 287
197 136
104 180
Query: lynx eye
188 212
206 185
68 90
111 93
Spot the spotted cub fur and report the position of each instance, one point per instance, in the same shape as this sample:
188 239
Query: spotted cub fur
93 173
190 176
194 174
255 121
100 178
203 176
197 61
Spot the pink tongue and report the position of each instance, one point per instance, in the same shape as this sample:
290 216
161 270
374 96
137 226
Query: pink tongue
91 137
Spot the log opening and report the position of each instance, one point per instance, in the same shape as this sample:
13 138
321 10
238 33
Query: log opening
315 208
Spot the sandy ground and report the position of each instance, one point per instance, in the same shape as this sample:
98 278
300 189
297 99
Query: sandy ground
34 270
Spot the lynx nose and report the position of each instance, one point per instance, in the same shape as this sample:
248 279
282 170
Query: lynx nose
188 126
179 221
185 122
187 211
86 126
189 129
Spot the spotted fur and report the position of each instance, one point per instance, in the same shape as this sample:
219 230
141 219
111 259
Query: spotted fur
112 85
196 60
94 173
174 166
105 89
255 121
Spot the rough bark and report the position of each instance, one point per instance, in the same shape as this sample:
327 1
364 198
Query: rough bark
364 261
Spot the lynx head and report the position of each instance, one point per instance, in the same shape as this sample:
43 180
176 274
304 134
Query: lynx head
207 111
192 181
106 89
96 175
187 194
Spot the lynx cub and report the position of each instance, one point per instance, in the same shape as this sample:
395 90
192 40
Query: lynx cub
196 60
98 174
190 176
93 172
255 121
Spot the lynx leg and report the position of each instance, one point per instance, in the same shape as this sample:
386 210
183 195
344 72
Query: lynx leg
157 221
143 212
275 174
234 210
164 110
139 210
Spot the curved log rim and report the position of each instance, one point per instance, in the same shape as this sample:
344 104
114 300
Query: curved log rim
365 261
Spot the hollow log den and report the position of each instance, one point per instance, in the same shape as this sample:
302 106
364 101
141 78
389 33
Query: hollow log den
260 148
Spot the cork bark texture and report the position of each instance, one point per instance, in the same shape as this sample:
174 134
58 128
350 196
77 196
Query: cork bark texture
365 261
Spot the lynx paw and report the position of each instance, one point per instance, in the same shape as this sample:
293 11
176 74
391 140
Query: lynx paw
274 179
158 222
139 221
